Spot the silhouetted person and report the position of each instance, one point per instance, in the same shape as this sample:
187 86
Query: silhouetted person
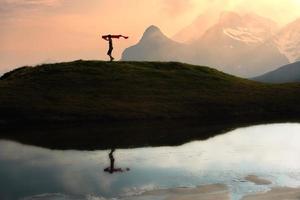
110 43
112 168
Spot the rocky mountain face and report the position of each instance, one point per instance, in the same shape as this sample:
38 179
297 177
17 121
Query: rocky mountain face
288 41
243 45
232 43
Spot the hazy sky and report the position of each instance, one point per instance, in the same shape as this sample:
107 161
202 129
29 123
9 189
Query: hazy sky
39 31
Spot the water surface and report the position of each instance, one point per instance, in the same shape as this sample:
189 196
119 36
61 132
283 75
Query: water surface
268 151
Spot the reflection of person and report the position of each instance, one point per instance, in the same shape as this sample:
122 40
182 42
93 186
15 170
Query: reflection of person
112 168
110 43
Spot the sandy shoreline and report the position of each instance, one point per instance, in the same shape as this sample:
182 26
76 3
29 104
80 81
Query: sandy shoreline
217 192
206 192
257 180
221 192
277 194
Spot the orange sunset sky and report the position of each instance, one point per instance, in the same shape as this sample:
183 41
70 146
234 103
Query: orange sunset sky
41 31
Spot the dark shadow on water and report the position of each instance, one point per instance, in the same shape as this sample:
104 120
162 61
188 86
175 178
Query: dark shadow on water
116 135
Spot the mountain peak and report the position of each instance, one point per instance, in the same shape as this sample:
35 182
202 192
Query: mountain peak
197 28
229 17
152 32
152 28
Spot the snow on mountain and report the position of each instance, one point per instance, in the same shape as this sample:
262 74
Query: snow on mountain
250 29
233 44
243 35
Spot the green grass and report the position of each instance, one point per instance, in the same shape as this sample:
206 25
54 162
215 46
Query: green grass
126 91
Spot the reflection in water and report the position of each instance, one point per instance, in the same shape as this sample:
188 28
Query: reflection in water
111 169
270 152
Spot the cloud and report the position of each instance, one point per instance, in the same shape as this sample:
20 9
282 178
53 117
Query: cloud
176 7
10 6
31 2
281 11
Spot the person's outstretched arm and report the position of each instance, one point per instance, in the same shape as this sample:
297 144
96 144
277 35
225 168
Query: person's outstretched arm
104 37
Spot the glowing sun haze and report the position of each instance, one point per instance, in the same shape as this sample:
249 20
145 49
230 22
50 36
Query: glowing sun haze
40 31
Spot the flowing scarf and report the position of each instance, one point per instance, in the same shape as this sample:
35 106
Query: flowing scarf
105 37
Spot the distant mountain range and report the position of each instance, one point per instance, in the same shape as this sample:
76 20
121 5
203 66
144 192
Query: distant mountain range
244 45
286 74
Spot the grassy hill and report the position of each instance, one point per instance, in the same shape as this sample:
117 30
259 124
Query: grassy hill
99 105
121 91
287 74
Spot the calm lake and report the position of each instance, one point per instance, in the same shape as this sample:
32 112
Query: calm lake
270 152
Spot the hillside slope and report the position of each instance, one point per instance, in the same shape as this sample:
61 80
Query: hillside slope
286 74
122 91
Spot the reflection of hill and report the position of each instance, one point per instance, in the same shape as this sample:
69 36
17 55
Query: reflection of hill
95 136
